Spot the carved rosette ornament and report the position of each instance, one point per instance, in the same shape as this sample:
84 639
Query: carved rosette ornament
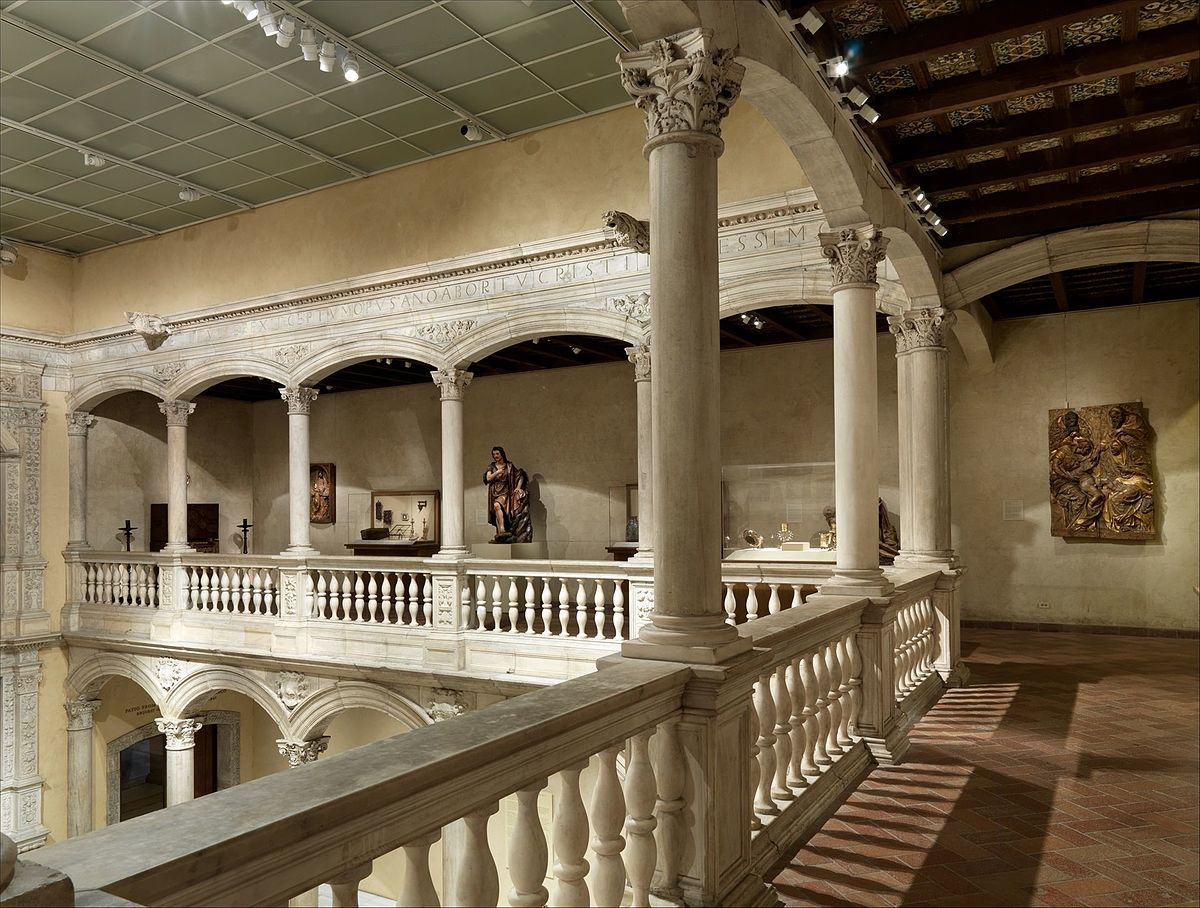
298 399
79 421
291 354
176 411
300 752
854 253
628 231
920 329
181 733
80 713
640 357
452 382
684 87
445 333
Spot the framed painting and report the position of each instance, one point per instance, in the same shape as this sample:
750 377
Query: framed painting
322 493
414 516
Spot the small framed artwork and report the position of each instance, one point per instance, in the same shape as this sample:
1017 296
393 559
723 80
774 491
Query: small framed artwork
408 516
322 493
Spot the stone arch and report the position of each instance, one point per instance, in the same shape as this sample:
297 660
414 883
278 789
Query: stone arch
313 715
528 325
208 681
1084 247
96 392
87 679
214 370
359 349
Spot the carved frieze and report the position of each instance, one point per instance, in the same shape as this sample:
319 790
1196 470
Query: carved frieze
444 333
854 254
920 328
291 354
634 305
628 230
166 372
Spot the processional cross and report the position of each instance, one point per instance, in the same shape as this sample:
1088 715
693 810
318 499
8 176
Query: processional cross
244 526
127 530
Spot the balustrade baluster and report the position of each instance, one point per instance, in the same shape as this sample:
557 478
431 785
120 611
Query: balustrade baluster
478 881
497 606
547 608
348 612
808 765
413 602
730 604
256 599
795 775
904 620
855 683
821 756
467 605
618 610
531 603
608 819
600 604
89 582
832 747
751 601
764 703
322 596
237 602
514 606
481 603
191 589
106 583
222 604
427 598
797 596
640 792
152 585
842 658
387 602
783 729
205 584
142 598
930 634
570 841
671 771
268 593
360 598
773 604
417 889
755 773
564 609
580 609
527 851
374 613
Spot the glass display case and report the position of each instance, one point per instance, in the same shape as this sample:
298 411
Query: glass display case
775 511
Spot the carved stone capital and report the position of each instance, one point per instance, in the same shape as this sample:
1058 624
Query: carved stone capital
640 357
920 329
854 252
176 411
79 421
300 752
80 713
684 86
181 733
628 230
298 399
452 382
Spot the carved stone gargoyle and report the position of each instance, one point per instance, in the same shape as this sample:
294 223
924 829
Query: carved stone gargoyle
630 232
152 328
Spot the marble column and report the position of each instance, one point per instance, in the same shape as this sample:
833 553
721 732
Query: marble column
78 423
640 357
301 753
923 384
854 254
299 402
684 86
177 413
181 754
80 714
452 383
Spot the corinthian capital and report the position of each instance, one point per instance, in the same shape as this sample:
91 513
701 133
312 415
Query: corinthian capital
176 411
854 252
452 382
79 421
921 328
640 357
80 712
628 230
300 752
684 86
299 399
181 733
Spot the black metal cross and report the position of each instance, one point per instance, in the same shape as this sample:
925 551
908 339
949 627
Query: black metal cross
128 531
245 526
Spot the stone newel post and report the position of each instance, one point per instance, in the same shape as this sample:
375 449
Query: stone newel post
854 253
685 86
299 402
181 753
78 423
452 383
80 715
640 357
177 413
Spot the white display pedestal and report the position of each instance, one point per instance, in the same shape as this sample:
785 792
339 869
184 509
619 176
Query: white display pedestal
511 551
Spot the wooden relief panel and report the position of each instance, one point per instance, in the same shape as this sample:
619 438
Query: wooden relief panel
322 493
1101 473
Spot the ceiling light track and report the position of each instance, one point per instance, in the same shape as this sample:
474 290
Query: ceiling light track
588 10
116 222
130 72
106 158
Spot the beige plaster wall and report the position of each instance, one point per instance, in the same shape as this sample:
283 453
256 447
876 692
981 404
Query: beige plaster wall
127 458
37 292
553 182
998 429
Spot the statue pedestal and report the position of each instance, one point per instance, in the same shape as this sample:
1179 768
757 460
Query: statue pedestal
512 551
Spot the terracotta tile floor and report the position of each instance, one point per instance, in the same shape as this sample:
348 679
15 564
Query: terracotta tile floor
1066 774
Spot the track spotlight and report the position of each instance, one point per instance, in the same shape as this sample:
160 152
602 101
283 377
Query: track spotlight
227 2
812 21
308 44
745 318
933 218
91 159
287 31
758 323
247 9
917 194
857 96
836 67
407 364
350 67
471 132
328 56
576 350
940 229
266 18
188 194
868 113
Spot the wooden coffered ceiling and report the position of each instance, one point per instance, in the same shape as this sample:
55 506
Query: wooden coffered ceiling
1021 117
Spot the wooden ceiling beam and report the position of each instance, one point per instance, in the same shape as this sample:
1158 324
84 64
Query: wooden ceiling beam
736 339
1060 292
779 326
1089 189
1146 204
990 23
1138 295
1163 140
1174 44
992 307
1110 110
822 312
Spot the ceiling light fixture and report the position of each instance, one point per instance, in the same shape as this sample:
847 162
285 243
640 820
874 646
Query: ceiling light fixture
868 113
857 96
287 31
328 56
247 9
8 253
940 229
758 323
836 67
745 318
933 218
812 21
266 18
576 350
471 132
91 159
308 44
188 194
350 67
